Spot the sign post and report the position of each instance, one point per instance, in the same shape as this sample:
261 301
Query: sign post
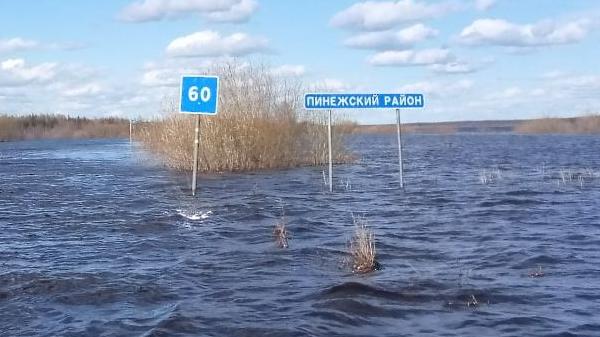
330 101
199 96
400 163
196 146
330 154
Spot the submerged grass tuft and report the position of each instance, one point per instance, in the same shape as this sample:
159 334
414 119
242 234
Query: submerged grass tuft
489 176
362 248
280 235
536 272
472 301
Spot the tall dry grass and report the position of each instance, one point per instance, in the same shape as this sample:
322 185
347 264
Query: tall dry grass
585 124
362 248
260 125
59 126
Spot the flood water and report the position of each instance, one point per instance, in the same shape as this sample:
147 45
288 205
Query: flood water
96 239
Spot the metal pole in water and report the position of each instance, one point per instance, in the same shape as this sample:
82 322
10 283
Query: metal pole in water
330 155
400 163
196 145
130 131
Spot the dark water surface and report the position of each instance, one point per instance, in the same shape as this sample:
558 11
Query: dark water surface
96 240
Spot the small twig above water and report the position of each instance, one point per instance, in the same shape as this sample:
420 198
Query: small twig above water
537 272
472 301
280 234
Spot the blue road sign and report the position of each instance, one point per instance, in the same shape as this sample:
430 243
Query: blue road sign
362 101
199 95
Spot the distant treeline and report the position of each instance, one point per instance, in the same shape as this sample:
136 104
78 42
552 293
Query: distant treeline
59 126
584 125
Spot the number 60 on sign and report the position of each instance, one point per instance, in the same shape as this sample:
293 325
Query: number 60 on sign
199 95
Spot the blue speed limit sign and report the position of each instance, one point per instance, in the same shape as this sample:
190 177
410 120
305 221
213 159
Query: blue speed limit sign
199 95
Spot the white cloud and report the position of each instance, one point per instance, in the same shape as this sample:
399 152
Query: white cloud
552 74
484 5
288 70
438 88
411 57
555 93
211 43
378 15
507 93
457 67
168 72
504 33
582 81
391 39
159 77
239 12
63 88
80 90
330 85
214 10
584 84
15 72
17 44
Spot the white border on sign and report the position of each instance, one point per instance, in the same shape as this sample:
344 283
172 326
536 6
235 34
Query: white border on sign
354 93
181 95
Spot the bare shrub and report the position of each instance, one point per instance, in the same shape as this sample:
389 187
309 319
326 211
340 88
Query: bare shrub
260 125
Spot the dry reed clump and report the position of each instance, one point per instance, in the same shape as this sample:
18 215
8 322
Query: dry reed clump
280 234
260 125
362 249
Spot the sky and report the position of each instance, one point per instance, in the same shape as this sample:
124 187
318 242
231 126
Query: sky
472 59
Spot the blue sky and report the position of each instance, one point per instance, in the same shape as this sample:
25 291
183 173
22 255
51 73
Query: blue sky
473 59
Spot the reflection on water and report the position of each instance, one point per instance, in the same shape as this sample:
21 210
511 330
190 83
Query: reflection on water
96 240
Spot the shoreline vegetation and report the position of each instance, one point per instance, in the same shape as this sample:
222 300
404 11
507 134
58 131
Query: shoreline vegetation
48 126
61 127
574 125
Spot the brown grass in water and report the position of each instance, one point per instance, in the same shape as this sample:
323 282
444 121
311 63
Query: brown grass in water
362 249
260 125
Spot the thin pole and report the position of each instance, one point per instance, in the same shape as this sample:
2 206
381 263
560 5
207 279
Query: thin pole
196 145
330 155
400 163
130 131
